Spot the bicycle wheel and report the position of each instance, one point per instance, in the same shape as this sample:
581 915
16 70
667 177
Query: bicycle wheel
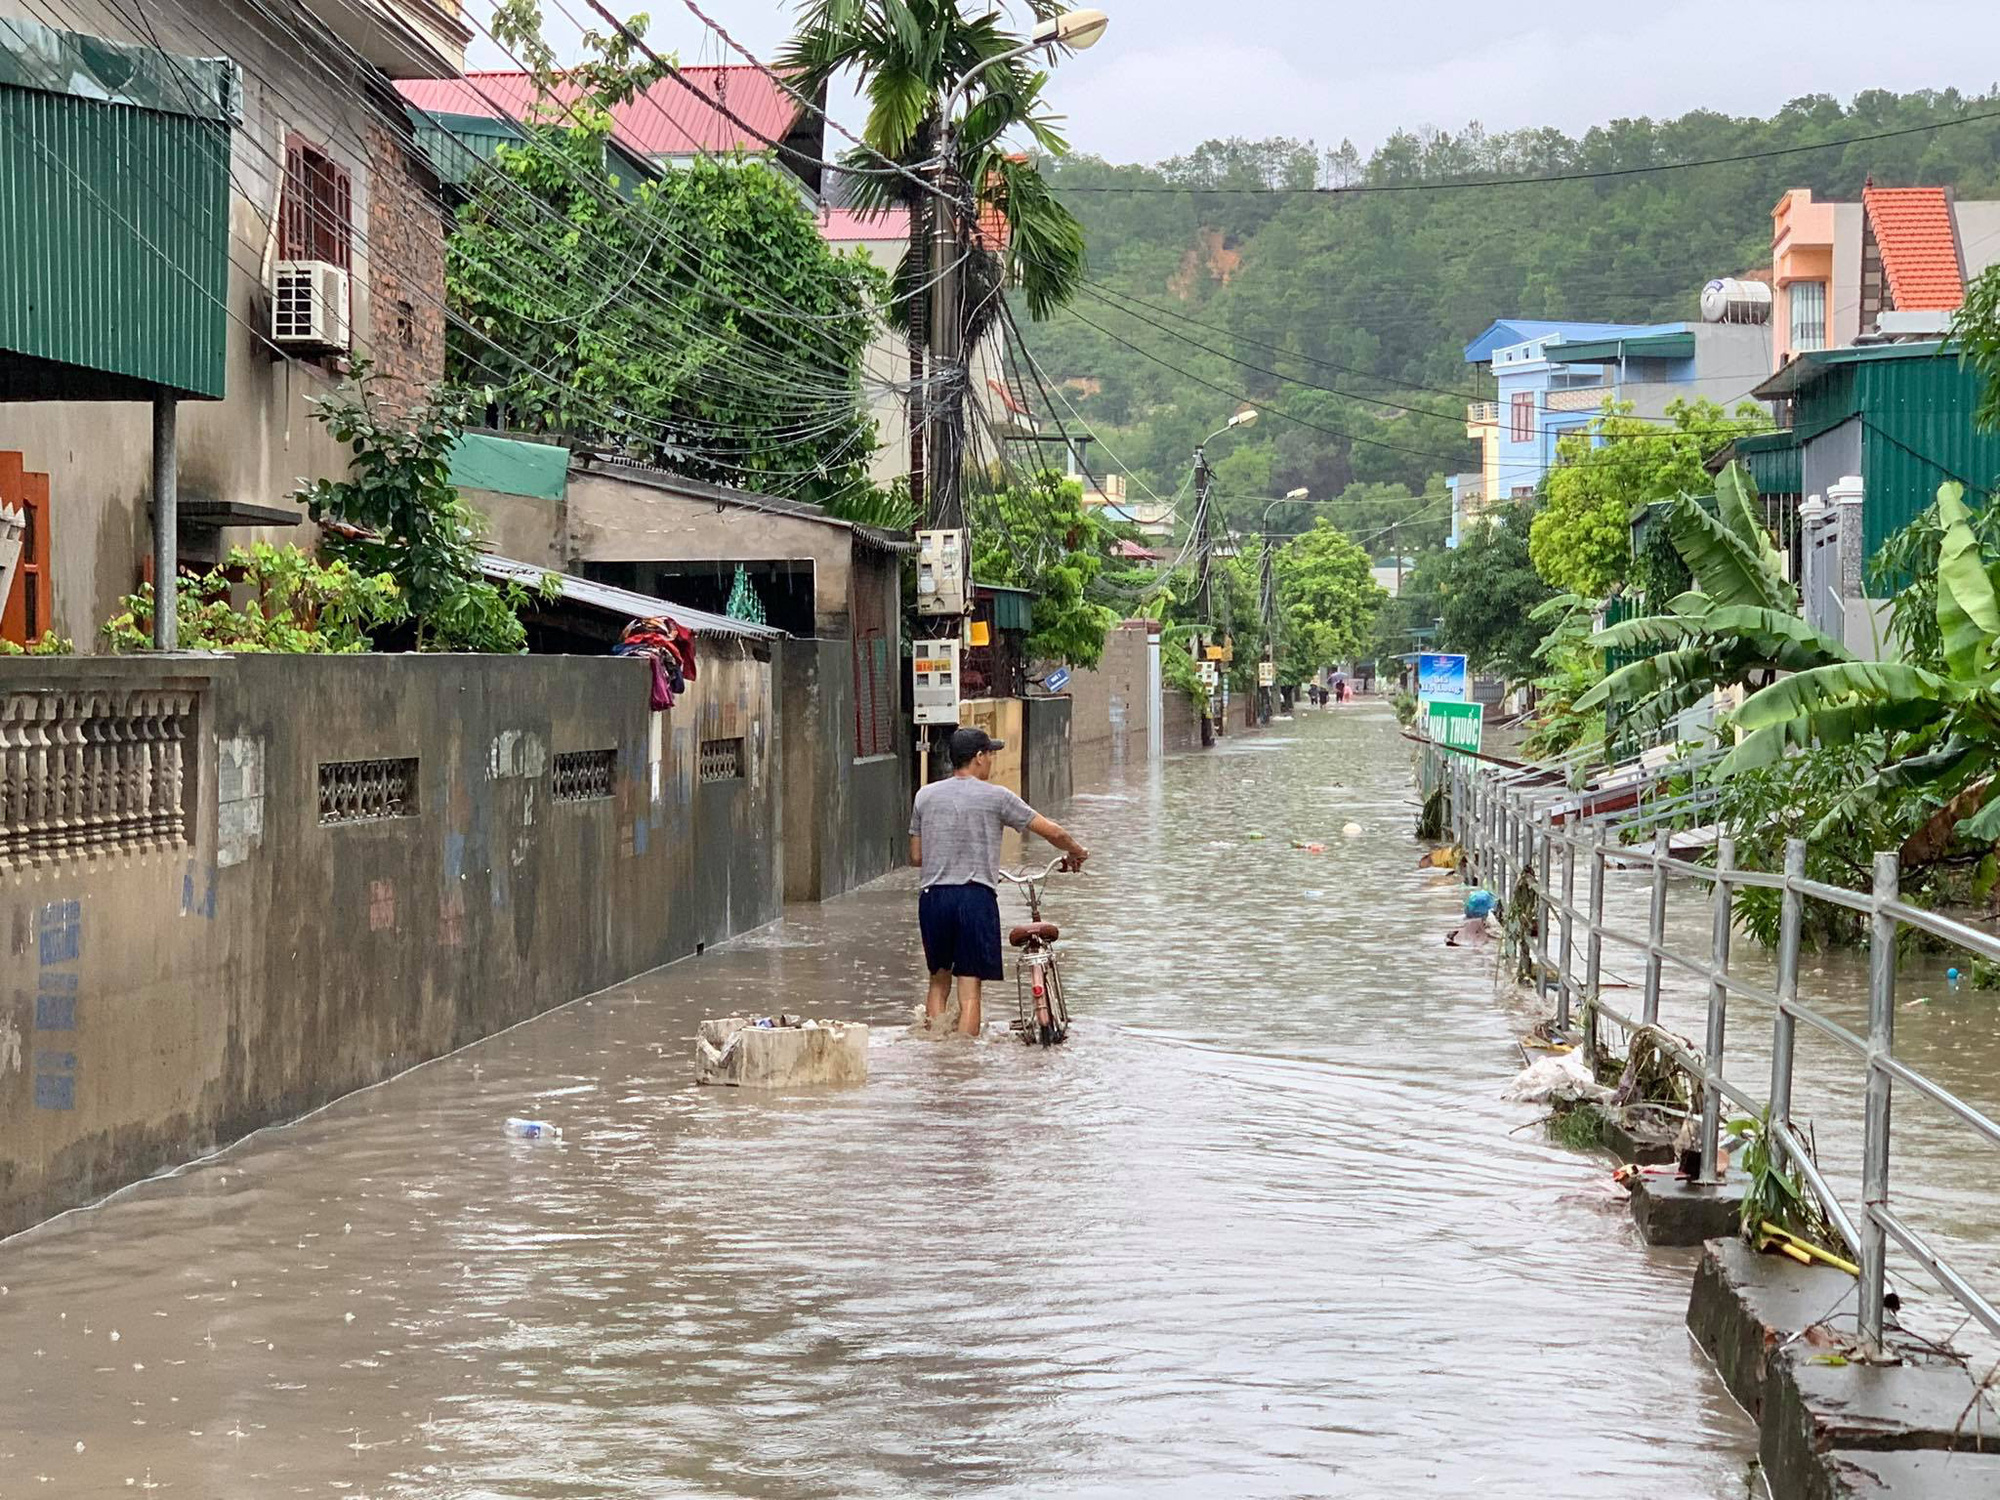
1056 1032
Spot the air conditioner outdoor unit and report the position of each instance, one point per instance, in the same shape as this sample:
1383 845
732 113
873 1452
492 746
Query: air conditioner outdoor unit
309 305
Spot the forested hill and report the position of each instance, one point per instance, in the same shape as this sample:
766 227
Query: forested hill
1373 294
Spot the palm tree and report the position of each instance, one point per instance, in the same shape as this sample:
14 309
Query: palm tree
911 56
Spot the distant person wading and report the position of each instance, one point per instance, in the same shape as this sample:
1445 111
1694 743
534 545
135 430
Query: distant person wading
955 830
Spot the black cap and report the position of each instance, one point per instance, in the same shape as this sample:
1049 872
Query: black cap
967 741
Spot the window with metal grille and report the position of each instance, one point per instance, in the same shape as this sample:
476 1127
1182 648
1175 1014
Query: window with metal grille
1806 301
1521 417
318 210
367 791
722 760
583 775
875 684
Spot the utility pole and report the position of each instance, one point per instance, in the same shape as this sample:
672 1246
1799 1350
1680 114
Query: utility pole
1203 605
946 390
1268 600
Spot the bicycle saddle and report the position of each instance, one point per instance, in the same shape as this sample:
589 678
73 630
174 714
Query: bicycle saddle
1047 932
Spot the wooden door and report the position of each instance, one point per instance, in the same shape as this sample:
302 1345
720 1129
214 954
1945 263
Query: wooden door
28 609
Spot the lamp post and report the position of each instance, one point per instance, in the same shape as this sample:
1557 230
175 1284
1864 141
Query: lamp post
1204 539
1072 30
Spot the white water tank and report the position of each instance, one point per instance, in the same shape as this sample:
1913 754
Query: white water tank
1729 300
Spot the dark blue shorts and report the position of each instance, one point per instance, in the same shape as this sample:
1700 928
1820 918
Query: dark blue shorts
961 928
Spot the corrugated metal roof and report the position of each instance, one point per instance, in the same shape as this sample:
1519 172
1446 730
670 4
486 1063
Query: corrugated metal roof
1919 243
622 602
1672 343
114 241
1505 332
666 120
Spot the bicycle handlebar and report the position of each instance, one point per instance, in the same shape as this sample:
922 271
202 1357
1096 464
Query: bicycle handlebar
1025 879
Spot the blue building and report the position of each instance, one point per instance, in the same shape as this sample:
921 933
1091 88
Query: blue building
1554 377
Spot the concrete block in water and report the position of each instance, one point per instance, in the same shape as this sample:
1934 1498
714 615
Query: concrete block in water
1912 1476
1674 1211
735 1050
1745 1305
1840 1429
1831 1431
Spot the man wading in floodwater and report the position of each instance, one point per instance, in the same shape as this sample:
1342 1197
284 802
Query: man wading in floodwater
955 832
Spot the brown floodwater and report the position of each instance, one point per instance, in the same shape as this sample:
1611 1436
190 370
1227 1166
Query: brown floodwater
1264 1228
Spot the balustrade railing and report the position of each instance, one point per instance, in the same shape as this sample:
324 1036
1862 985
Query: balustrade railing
1511 821
91 772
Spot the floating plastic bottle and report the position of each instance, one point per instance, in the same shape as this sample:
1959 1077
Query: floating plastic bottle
532 1130
1951 978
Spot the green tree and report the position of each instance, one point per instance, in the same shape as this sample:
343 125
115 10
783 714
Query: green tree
1327 600
911 54
696 320
1581 542
398 514
1039 537
1486 592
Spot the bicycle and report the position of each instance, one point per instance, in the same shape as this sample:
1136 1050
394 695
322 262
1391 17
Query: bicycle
1039 1012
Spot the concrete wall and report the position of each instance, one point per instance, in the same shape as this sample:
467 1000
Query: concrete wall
1046 774
1180 723
256 444
273 963
846 821
1110 710
620 516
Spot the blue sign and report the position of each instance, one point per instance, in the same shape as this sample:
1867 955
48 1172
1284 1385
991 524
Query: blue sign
1057 680
1440 678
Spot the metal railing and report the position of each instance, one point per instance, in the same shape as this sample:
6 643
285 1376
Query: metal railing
1527 820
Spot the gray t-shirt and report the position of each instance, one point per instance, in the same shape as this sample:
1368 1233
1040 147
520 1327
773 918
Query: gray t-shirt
959 820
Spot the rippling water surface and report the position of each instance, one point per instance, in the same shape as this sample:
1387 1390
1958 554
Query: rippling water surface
1263 1229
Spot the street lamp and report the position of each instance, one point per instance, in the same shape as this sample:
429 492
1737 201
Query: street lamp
1290 497
1072 30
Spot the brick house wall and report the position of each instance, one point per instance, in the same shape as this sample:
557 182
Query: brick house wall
406 228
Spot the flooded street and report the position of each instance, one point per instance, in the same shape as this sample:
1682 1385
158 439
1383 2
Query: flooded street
1262 1229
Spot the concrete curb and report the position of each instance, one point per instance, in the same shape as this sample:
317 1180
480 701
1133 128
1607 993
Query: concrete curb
1830 1431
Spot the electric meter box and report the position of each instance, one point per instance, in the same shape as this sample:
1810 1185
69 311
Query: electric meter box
934 680
944 585
1267 674
1209 672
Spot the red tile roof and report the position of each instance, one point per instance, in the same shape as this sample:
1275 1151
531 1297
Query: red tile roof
1913 227
666 120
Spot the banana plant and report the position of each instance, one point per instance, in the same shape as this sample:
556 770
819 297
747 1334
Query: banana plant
1941 729
1739 624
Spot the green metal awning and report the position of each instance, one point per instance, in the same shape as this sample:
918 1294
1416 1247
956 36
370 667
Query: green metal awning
1772 460
114 254
1610 351
1013 609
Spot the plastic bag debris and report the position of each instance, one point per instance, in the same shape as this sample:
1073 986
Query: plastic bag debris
1564 1078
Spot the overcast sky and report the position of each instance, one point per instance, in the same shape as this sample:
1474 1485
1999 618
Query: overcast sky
1170 74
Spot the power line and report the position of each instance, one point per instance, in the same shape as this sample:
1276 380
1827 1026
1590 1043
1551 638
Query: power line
1454 460
1602 174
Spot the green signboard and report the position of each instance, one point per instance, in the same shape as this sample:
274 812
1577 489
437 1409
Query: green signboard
1455 726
